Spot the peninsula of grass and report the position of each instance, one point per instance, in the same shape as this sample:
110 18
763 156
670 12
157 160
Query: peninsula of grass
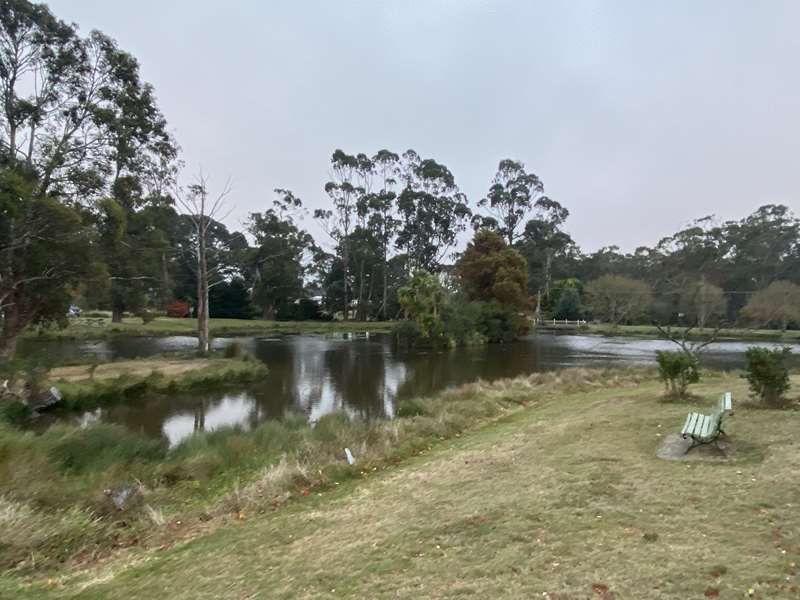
541 486
86 386
102 327
650 331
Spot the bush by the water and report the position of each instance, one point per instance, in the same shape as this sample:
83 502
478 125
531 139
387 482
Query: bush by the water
233 350
767 373
677 370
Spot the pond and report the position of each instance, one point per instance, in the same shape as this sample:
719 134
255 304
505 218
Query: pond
364 376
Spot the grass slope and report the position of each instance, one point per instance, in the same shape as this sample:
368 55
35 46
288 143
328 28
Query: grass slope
91 328
564 499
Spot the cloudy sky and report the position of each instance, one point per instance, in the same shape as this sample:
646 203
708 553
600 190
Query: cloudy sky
638 116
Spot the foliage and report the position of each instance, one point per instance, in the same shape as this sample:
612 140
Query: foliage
432 211
498 324
422 301
550 251
304 309
46 250
767 373
779 303
233 350
615 298
568 304
512 195
701 302
230 300
276 261
490 271
677 370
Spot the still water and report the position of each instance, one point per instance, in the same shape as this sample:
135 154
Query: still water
365 377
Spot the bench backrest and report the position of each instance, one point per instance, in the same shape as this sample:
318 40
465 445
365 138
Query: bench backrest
726 403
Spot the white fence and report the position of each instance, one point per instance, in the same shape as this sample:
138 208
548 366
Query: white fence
557 322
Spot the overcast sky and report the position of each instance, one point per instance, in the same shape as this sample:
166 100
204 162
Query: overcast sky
637 116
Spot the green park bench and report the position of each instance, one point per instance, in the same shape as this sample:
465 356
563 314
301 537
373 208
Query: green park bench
704 429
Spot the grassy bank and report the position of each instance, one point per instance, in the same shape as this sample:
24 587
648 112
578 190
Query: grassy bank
57 479
559 495
732 333
101 327
84 386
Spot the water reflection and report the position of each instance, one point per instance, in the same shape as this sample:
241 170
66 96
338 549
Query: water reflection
315 375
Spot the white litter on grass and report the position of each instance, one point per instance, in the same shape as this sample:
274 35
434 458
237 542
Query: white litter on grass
350 458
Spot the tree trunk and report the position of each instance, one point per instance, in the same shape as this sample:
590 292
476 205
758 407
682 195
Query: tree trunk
116 314
548 267
385 300
346 270
10 332
268 312
203 341
360 312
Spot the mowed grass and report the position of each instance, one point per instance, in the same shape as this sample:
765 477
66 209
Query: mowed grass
562 499
99 327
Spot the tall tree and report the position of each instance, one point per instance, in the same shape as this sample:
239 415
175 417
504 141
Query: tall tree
543 243
432 211
382 220
202 212
44 251
276 261
339 222
512 196
491 271
62 103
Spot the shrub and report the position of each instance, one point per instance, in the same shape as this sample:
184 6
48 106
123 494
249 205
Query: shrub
14 412
767 373
99 446
500 324
233 350
147 316
677 370
407 333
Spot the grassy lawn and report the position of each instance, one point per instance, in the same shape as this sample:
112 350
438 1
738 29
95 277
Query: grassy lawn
100 327
737 333
562 499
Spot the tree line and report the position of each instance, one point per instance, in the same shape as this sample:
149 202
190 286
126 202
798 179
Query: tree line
91 212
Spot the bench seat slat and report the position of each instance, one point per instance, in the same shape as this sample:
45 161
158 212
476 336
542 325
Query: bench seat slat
685 429
690 425
706 427
701 426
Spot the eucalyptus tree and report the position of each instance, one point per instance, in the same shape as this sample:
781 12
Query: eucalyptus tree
276 261
70 109
344 192
543 242
513 195
45 250
432 211
383 221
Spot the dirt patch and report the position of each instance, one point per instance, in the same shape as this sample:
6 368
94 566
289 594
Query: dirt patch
674 447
